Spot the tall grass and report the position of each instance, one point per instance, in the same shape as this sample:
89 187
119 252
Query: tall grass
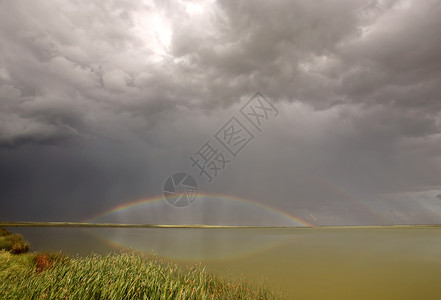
114 276
4 232
12 242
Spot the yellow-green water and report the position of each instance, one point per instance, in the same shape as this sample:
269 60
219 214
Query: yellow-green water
305 263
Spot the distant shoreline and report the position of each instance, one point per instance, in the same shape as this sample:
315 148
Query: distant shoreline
79 224
195 226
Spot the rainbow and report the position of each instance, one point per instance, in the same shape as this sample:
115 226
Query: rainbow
125 206
346 196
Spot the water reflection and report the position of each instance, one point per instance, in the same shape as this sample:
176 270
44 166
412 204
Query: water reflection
309 263
194 244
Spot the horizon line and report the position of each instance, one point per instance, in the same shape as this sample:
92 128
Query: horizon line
201 226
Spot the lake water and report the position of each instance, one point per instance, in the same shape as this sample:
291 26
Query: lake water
305 263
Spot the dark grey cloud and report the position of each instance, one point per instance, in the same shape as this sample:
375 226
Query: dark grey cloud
100 101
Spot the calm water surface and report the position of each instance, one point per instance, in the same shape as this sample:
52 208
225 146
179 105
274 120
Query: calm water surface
305 263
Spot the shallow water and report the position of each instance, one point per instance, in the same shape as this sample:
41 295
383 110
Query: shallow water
305 263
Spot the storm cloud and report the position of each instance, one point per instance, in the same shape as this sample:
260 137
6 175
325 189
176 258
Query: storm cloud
101 100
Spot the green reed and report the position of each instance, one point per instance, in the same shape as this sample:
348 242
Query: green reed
126 275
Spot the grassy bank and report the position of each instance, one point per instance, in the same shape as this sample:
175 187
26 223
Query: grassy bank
126 275
12 242
116 276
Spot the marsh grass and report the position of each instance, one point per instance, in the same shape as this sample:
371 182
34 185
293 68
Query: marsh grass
126 275
13 242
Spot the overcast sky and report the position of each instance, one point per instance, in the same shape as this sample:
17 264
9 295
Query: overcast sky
100 101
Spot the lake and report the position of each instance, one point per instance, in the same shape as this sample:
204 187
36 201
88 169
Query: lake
305 263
